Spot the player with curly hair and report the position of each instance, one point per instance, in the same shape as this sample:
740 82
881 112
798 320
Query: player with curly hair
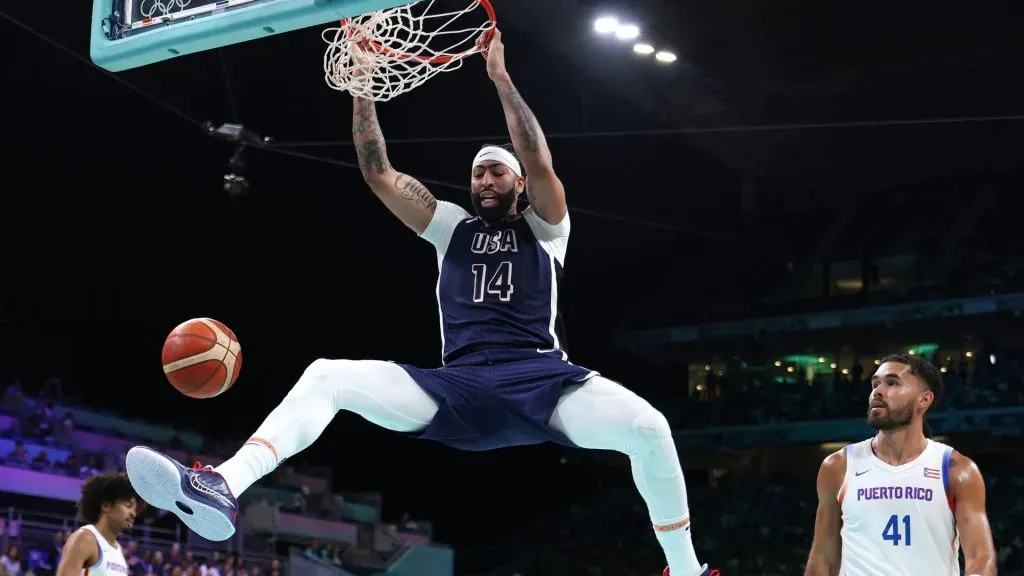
107 506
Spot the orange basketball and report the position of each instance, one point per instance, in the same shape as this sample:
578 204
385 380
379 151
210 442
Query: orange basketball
202 358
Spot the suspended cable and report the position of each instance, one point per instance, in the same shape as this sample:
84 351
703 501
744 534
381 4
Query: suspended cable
673 131
89 63
225 74
464 188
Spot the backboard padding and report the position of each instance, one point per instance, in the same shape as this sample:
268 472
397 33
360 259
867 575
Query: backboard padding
233 25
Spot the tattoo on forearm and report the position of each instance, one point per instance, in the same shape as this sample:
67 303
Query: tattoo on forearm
411 189
371 157
369 139
363 120
526 125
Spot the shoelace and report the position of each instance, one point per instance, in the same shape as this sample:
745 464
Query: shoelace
197 466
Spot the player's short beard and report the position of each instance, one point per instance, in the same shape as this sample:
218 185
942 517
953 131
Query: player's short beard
505 201
892 419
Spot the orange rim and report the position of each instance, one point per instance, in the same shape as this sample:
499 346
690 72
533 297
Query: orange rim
444 58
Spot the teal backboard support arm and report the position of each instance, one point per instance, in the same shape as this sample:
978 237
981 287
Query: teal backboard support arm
232 26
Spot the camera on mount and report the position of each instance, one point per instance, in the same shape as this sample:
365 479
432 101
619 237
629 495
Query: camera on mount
235 182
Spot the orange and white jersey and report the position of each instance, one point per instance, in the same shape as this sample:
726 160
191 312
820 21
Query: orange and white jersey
111 562
898 520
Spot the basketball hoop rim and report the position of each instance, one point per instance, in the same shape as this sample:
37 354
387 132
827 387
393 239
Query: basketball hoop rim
442 58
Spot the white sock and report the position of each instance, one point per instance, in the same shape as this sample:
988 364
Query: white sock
253 461
678 547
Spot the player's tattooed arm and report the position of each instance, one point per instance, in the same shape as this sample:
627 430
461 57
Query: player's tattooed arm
403 195
971 518
413 191
523 125
826 548
369 140
544 189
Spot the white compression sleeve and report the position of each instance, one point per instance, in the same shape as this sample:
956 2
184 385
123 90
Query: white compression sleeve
603 415
381 392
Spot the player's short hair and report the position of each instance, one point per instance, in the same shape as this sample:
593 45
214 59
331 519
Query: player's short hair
103 489
924 370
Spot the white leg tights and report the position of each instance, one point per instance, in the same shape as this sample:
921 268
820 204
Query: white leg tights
380 392
603 415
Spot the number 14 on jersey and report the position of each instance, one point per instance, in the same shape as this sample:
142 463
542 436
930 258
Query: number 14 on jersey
892 530
495 283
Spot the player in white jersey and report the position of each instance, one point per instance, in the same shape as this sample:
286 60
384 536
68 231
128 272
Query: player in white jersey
107 507
901 504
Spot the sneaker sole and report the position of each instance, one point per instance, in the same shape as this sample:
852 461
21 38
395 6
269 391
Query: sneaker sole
157 480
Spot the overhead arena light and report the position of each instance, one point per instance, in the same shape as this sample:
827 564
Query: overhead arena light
605 24
642 48
665 56
627 32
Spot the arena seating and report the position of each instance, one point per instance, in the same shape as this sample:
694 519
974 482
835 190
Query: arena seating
749 524
45 453
723 397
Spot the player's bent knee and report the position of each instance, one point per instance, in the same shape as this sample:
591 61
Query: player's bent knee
318 374
651 425
319 370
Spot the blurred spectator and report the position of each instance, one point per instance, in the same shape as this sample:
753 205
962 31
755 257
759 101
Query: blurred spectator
136 563
157 564
11 562
41 424
53 556
174 557
71 466
90 468
41 461
13 401
19 454
64 434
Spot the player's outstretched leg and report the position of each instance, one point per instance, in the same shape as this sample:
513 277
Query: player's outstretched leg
601 414
205 498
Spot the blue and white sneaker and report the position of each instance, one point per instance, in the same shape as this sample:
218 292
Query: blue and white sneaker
199 496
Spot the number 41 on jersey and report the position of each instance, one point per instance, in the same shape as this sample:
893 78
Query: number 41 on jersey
892 530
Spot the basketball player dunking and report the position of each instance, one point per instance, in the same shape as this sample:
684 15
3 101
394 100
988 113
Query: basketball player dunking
107 506
505 378
900 504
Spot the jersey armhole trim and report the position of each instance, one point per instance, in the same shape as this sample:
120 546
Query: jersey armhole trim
548 230
846 474
446 218
946 483
99 558
553 238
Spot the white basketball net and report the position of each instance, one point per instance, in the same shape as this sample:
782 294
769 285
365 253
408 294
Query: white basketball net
401 48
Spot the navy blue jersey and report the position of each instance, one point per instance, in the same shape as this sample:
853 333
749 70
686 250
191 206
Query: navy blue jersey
497 285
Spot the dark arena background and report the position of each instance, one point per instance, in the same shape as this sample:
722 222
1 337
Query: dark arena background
807 187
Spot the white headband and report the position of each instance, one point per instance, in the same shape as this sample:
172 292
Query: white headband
498 155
